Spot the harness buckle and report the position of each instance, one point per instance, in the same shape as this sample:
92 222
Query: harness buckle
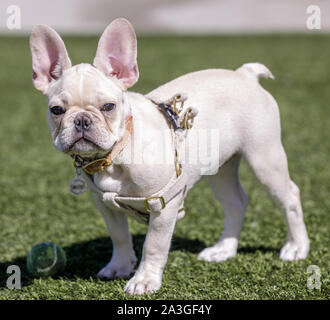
96 165
177 99
146 203
188 119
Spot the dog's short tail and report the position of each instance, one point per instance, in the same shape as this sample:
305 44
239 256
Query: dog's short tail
256 69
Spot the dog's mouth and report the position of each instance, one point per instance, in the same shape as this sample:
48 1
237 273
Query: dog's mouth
84 140
83 145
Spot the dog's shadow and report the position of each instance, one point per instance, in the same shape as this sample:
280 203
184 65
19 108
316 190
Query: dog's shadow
85 259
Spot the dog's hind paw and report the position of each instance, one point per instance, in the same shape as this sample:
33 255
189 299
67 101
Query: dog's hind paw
114 269
112 272
217 253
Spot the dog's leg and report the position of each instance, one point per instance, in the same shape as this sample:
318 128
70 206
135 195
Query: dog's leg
123 257
234 201
148 277
271 169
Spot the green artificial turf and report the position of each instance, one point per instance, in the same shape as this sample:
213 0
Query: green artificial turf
36 206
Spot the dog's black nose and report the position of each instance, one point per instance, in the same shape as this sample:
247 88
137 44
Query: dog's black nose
82 122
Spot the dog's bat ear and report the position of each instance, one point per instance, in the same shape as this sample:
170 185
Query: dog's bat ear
49 56
117 52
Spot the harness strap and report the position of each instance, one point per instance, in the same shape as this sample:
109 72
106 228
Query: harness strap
142 206
157 201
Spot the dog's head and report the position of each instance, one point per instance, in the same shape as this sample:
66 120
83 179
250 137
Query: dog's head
87 107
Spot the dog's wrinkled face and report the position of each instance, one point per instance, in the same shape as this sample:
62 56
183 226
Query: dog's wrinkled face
87 107
85 111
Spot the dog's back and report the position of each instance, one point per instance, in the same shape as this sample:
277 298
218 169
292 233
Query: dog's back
232 102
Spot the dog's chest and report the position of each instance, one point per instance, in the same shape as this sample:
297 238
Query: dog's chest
112 180
136 182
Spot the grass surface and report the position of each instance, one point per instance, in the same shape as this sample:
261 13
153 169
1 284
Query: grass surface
36 205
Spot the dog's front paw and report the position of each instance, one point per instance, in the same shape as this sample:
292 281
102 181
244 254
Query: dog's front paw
293 251
114 269
143 283
217 253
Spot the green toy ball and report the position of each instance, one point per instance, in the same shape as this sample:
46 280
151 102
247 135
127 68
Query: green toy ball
46 259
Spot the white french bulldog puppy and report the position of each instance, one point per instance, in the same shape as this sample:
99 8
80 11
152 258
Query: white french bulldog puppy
91 113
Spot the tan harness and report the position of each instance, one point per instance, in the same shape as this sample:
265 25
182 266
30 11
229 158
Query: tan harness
139 208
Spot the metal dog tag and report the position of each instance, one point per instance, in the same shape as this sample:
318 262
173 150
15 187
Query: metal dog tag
77 185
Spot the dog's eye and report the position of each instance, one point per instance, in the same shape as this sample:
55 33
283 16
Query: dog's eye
108 107
57 110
